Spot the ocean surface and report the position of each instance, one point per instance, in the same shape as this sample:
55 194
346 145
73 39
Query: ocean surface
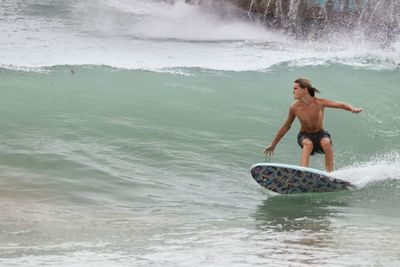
128 129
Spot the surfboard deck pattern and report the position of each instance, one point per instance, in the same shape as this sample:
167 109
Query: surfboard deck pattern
290 179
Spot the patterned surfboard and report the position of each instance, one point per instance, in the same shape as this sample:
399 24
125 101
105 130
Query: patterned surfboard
290 179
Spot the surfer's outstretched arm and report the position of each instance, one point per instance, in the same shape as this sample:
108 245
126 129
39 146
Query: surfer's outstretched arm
282 131
333 104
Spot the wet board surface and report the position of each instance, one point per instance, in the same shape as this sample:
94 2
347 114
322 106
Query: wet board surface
291 179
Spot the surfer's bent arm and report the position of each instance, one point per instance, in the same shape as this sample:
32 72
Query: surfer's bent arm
282 131
332 104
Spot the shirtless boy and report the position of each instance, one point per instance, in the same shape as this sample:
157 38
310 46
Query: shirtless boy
310 112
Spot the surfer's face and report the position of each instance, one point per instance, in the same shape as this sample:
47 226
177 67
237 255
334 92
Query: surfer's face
298 92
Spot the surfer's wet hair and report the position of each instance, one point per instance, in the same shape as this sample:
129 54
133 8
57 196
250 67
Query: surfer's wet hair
306 83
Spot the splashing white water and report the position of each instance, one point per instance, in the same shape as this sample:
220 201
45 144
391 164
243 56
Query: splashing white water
379 168
156 35
177 20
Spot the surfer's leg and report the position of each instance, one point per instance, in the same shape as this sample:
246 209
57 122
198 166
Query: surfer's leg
327 147
307 149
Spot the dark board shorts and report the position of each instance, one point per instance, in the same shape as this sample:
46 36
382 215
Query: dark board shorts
315 139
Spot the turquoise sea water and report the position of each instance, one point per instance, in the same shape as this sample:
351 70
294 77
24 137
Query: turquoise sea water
126 143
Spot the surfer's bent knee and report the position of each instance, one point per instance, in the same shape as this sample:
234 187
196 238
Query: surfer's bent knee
307 143
326 143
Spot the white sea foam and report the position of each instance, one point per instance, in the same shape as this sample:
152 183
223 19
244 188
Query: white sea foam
379 168
166 34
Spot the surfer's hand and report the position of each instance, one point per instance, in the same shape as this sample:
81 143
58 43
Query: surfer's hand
269 150
356 110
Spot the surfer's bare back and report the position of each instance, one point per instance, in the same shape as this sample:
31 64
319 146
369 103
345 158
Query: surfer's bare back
309 110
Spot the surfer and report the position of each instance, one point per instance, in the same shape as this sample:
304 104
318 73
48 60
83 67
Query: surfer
309 110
